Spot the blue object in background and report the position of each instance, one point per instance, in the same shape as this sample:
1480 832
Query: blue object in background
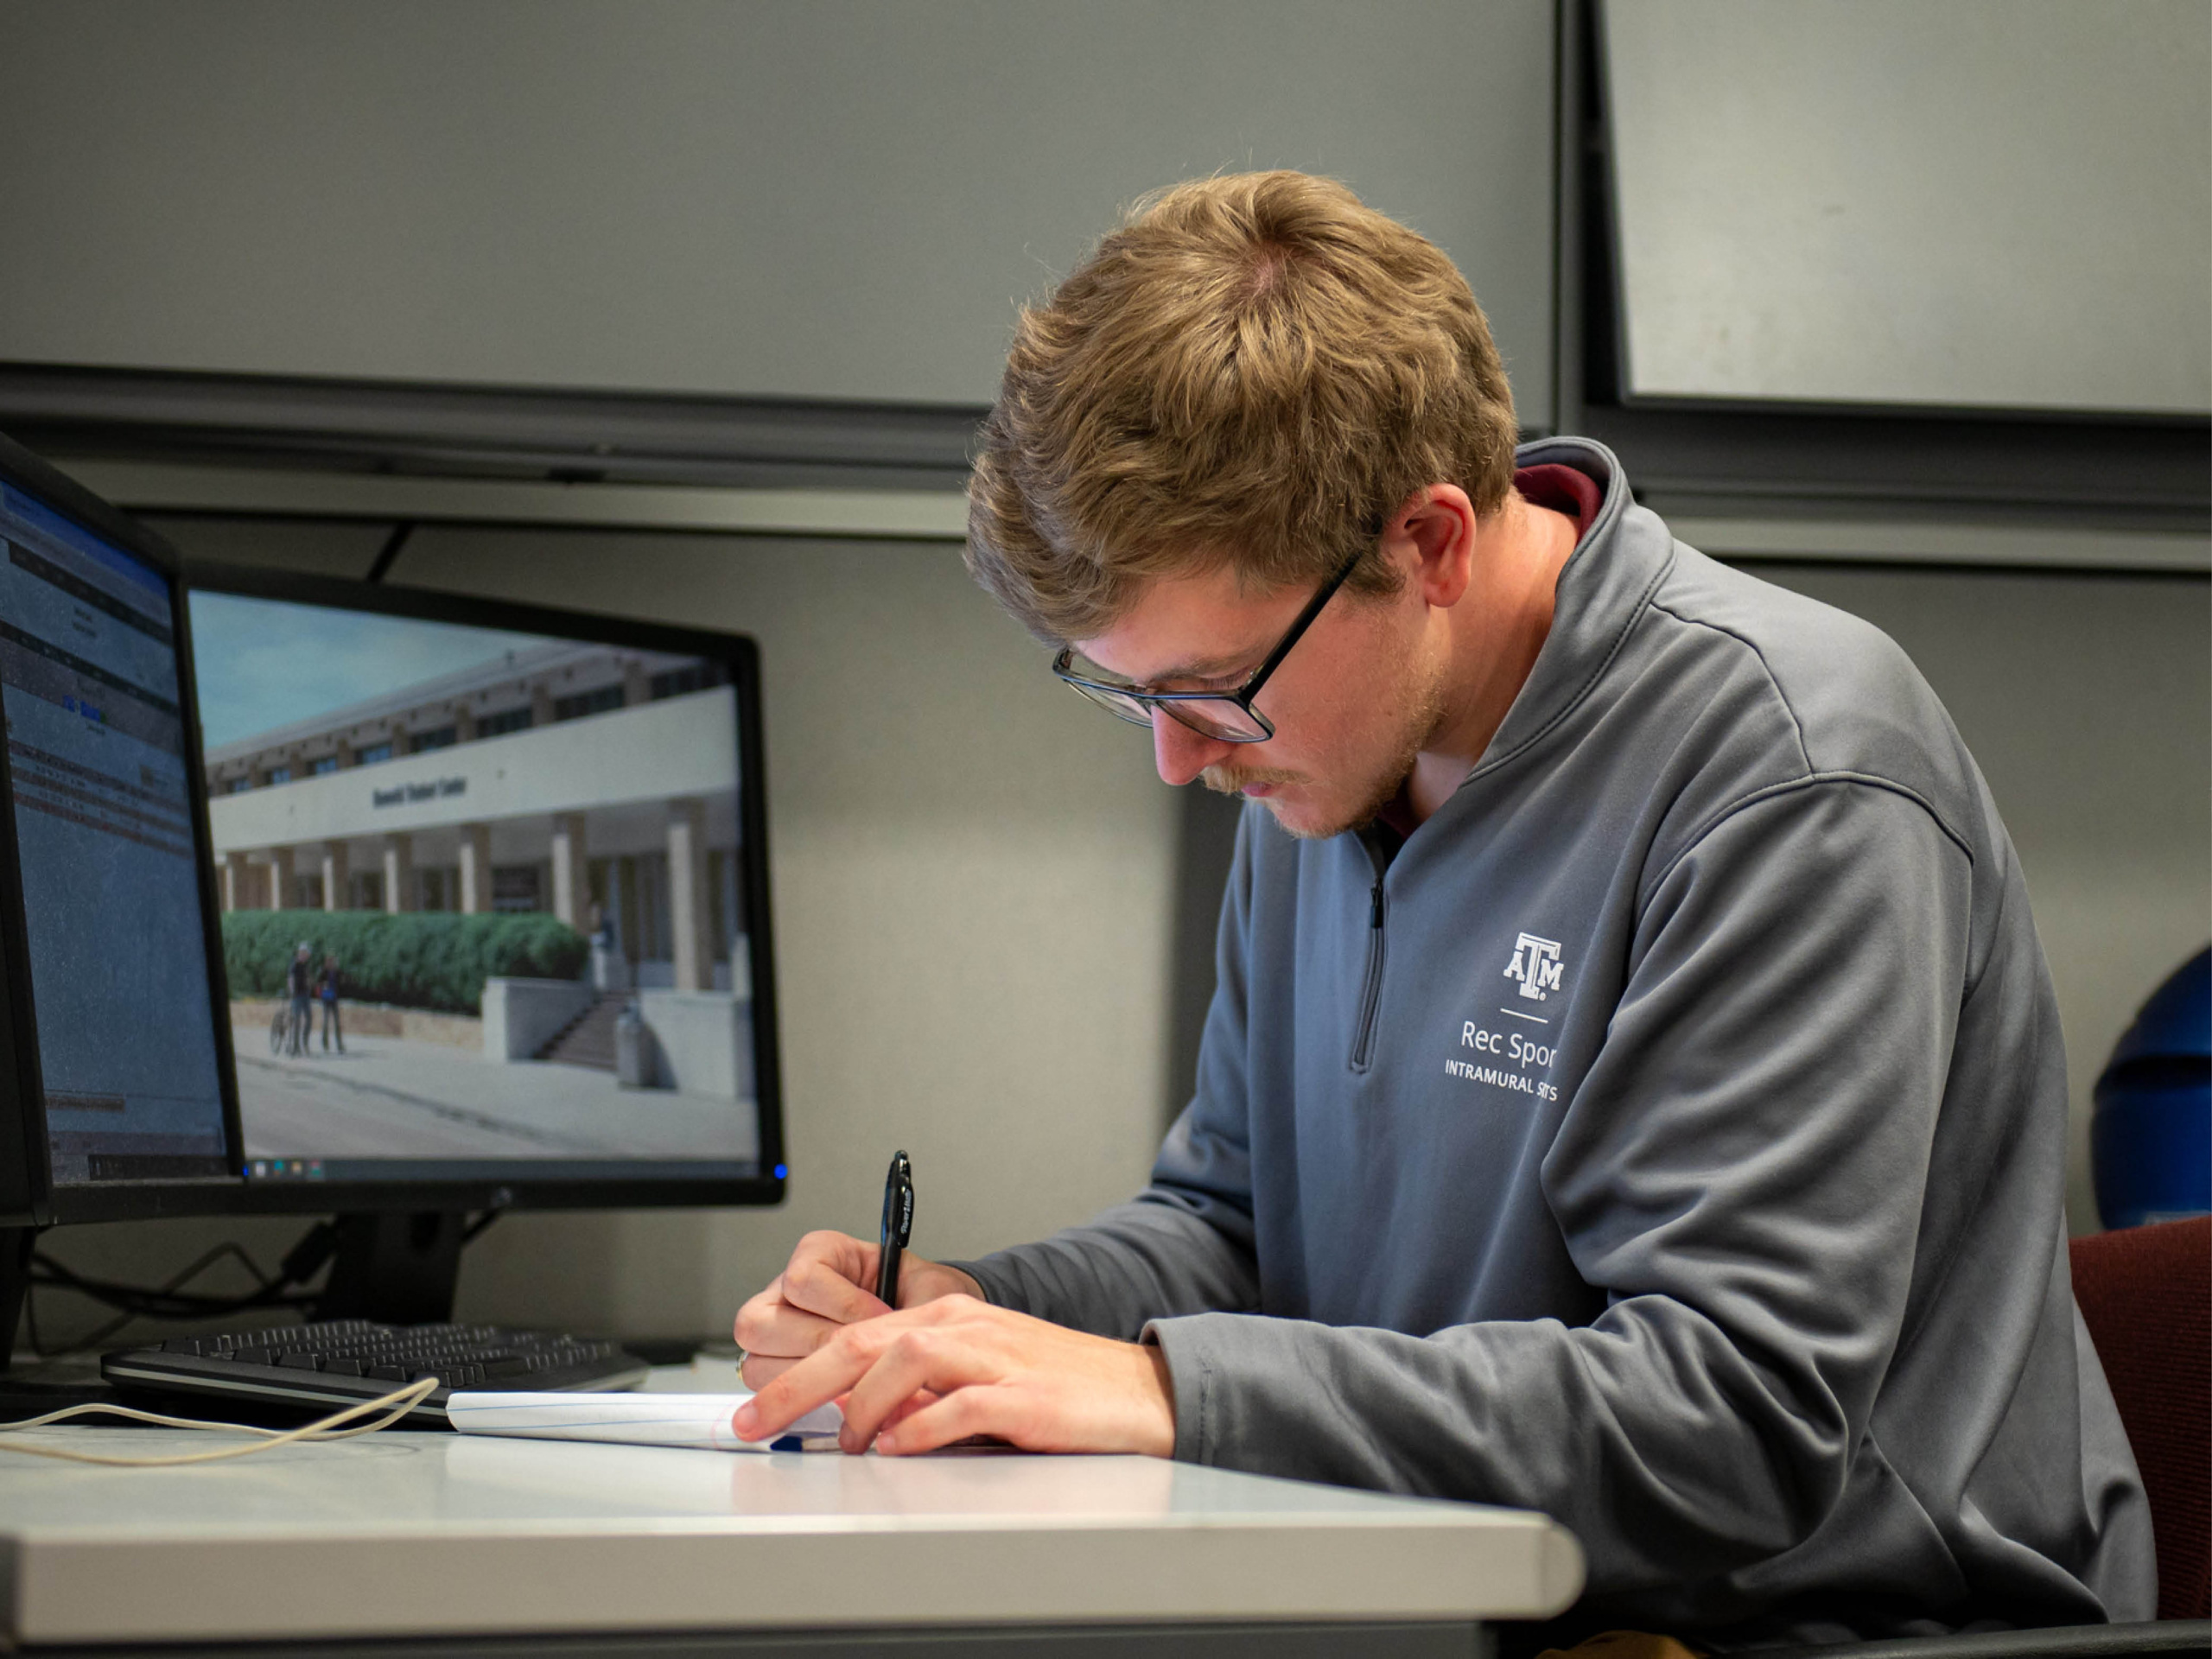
2150 1139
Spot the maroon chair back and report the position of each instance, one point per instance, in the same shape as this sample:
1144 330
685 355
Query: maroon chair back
2146 1293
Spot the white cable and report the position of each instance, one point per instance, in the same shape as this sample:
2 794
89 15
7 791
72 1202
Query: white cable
399 1401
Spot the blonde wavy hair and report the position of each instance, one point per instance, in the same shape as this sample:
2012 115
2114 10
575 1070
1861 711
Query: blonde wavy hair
1253 370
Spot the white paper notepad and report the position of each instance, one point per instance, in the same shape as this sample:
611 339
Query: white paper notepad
698 1421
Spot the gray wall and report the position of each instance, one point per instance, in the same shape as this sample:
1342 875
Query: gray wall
842 199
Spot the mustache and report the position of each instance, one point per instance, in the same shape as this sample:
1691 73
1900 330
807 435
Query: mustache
1231 780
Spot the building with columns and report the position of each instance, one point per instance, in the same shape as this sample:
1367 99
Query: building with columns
562 778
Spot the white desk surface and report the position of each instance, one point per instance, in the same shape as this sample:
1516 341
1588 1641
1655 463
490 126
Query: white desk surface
421 1533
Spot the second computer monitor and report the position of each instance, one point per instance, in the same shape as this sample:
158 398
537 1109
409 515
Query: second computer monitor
493 897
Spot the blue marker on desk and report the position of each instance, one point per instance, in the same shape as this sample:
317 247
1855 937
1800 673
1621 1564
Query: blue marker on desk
898 1227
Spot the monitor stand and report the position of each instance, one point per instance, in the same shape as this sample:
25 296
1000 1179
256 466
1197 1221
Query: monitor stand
15 1284
395 1269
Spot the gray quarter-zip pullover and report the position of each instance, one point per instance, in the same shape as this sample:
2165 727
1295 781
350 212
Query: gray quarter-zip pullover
1668 1136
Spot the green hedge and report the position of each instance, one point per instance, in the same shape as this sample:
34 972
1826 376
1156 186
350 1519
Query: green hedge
429 960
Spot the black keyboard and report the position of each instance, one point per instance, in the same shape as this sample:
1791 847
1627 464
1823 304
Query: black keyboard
347 1361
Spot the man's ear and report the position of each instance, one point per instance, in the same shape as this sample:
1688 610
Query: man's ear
1436 526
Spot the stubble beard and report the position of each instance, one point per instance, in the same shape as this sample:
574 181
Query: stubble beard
1407 736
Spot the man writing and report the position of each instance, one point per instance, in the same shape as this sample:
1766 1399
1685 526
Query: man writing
1633 1089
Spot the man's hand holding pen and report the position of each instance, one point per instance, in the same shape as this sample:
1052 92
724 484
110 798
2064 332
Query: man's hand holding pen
820 1291
945 1365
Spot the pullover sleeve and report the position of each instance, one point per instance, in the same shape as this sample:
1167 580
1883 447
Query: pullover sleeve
1185 1245
1741 1172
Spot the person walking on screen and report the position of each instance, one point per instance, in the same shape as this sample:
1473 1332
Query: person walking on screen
327 992
1633 1088
299 986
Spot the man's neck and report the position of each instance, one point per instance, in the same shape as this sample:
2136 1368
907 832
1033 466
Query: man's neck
1494 633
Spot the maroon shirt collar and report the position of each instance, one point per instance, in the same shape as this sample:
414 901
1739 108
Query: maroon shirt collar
1563 489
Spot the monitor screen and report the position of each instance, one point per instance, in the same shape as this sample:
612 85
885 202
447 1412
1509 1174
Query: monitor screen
119 978
486 892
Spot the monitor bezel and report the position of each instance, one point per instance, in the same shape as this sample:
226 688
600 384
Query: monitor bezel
29 1196
739 655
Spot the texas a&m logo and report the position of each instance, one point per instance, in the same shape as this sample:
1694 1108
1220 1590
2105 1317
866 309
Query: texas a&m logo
1535 963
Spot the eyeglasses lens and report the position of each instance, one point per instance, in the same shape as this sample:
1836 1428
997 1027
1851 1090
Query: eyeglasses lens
1222 720
1114 702
1219 719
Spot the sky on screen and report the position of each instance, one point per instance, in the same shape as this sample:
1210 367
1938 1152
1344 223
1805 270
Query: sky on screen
264 662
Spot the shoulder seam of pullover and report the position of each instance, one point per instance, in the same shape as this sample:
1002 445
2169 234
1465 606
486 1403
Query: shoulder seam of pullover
1769 792
1804 750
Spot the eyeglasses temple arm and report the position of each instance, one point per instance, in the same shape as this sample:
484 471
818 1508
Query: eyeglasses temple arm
1297 630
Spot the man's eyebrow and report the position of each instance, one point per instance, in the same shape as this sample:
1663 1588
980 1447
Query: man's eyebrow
1207 667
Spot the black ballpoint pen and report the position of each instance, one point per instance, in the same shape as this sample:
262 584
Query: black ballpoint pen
898 1227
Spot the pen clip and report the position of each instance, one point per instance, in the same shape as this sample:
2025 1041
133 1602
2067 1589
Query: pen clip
899 1201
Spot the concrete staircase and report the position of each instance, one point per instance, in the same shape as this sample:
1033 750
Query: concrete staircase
588 1039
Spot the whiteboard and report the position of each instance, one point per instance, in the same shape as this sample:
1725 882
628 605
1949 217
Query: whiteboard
2001 203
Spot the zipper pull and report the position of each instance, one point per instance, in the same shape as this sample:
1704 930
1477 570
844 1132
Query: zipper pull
1374 912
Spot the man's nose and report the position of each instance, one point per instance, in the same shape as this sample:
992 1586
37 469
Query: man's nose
1180 753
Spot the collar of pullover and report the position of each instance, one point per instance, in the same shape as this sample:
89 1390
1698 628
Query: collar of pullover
1624 551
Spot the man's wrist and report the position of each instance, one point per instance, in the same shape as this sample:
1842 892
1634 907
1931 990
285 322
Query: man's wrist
1162 1443
972 1284
929 1280
964 1284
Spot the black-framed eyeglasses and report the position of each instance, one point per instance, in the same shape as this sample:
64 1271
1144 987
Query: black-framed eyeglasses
1226 716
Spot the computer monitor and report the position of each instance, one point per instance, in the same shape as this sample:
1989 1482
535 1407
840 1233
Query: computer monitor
524 851
492 888
491 884
114 1077
117 1098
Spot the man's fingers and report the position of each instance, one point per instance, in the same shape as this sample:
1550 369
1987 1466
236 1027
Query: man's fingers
920 1400
816 1380
760 1370
776 1330
825 1286
954 1417
912 1361
825 1277
832 1369
753 1318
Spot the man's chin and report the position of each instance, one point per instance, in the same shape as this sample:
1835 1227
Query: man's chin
1309 820
1298 806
